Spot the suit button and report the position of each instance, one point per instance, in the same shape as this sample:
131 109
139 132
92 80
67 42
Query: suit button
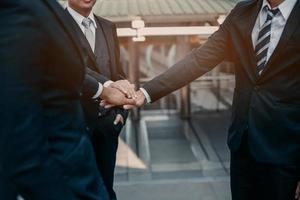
99 114
80 94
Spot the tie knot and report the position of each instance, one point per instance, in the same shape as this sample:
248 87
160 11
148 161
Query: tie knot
86 22
272 12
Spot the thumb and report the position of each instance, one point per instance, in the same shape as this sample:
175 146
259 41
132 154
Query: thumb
117 120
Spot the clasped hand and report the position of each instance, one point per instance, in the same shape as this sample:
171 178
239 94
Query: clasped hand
121 93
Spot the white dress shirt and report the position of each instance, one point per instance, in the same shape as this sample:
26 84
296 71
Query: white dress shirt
79 18
278 24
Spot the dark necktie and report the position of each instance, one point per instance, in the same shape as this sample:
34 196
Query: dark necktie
263 41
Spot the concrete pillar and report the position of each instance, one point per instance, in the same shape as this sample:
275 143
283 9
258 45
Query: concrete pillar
134 71
183 47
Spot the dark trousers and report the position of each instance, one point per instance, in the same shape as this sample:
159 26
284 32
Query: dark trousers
251 180
105 142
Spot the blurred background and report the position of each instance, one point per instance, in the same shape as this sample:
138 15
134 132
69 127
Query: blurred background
174 148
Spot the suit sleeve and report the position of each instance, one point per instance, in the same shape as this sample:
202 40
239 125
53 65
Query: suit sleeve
90 85
97 77
25 159
198 62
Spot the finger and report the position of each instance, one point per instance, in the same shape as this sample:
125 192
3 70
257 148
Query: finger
122 89
117 120
135 92
121 119
297 196
109 106
103 103
129 107
129 102
119 87
132 92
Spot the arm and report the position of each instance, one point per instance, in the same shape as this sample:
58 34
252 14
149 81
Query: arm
98 77
91 87
25 159
194 65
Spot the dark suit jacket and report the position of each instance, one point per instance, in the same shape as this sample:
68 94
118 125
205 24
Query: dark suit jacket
268 106
93 72
45 151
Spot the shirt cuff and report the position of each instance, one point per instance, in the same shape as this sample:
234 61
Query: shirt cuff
107 83
146 94
99 92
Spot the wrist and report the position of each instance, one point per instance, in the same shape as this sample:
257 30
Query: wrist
108 83
104 93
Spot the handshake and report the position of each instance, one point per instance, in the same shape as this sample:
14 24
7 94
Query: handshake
121 93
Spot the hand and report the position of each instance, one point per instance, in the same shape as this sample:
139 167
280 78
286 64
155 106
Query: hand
125 87
297 195
119 119
140 100
115 97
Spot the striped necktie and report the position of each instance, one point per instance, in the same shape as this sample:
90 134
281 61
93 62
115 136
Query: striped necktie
263 41
87 22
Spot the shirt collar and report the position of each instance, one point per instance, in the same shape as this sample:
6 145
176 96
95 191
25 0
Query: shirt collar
285 9
79 18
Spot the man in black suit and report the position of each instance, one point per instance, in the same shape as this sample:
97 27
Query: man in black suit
262 38
45 150
99 37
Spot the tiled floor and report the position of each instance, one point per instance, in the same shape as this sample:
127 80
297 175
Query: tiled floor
188 160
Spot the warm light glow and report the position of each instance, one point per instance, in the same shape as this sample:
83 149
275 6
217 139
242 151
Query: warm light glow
221 19
127 158
203 31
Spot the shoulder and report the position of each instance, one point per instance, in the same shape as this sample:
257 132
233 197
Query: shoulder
105 22
243 7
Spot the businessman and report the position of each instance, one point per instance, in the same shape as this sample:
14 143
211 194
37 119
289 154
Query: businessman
45 151
100 39
262 38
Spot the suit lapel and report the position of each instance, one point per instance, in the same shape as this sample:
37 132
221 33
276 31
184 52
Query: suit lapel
246 23
108 35
82 38
290 28
61 16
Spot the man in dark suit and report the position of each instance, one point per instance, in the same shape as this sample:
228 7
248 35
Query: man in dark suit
99 36
262 38
45 151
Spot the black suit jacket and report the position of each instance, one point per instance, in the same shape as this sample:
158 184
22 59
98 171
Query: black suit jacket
268 106
93 74
45 151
